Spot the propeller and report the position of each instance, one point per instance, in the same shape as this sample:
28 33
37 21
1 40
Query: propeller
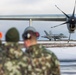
64 22
71 21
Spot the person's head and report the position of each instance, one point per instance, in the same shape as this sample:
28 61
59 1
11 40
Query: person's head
30 36
12 35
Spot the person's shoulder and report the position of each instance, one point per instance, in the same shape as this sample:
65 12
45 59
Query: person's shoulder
2 50
13 49
52 54
11 44
49 52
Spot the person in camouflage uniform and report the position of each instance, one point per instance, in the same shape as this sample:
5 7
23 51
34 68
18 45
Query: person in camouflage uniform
15 60
2 55
40 61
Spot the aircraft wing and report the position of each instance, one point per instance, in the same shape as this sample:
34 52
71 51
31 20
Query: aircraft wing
48 17
44 36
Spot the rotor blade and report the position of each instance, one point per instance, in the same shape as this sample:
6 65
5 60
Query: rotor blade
74 8
63 12
59 25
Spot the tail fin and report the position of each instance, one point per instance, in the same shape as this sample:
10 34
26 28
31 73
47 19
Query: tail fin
50 32
46 32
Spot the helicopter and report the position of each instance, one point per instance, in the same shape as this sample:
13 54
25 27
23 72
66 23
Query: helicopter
71 21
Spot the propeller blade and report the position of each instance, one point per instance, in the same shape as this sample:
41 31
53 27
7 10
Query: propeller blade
74 8
63 12
59 25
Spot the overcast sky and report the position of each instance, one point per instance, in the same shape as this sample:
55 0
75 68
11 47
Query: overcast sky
35 6
24 7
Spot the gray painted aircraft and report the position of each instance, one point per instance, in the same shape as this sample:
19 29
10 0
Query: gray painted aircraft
51 36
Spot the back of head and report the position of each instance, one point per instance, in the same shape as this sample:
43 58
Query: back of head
30 33
12 35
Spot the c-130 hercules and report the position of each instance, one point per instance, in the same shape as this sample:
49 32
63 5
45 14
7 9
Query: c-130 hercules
71 21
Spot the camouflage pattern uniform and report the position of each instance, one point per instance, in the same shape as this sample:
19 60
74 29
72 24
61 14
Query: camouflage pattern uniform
15 60
2 57
41 61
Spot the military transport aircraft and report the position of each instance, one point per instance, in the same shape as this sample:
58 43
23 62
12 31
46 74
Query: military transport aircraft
51 36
